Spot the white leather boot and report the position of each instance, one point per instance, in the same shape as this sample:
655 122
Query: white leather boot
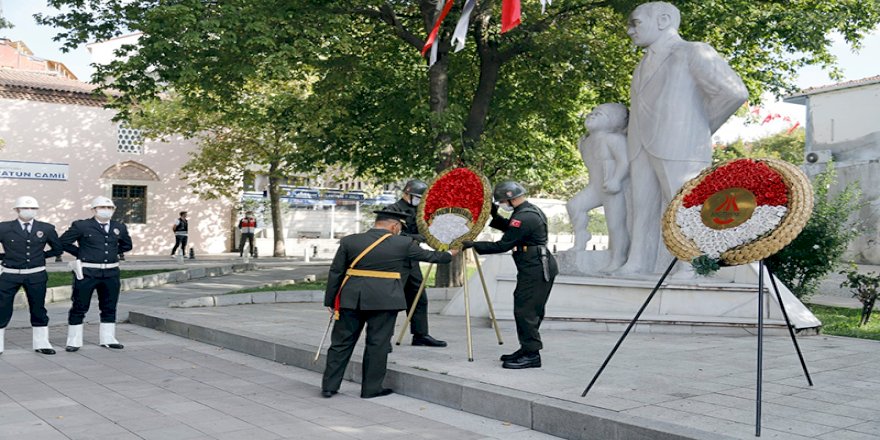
2 339
107 336
74 337
41 341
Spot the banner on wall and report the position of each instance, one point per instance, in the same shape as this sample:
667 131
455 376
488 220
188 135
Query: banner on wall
11 169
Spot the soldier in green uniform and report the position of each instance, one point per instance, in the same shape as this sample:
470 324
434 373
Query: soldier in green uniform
418 326
364 287
526 233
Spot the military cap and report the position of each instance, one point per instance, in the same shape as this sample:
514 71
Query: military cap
387 214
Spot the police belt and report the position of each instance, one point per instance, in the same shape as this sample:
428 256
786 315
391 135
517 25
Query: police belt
373 274
23 271
100 265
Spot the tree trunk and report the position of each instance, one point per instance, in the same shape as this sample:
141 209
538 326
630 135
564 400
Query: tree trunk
448 275
275 206
475 124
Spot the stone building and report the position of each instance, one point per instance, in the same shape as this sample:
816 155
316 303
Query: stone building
62 147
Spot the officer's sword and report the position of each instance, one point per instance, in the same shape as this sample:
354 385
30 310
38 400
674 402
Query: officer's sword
323 338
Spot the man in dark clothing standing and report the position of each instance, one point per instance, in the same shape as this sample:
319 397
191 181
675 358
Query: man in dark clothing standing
24 243
418 326
247 226
364 288
526 233
96 243
181 234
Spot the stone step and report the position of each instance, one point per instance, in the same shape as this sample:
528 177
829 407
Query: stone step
550 415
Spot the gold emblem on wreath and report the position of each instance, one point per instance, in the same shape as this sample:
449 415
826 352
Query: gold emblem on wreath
728 208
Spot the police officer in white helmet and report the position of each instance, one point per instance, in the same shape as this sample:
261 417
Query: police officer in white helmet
96 243
24 243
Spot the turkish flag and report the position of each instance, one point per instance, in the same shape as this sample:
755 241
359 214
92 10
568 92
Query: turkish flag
510 14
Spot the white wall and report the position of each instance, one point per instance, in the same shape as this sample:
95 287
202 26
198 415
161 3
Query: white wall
843 115
85 138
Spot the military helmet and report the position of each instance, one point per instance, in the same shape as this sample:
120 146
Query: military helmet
508 190
102 201
415 187
26 202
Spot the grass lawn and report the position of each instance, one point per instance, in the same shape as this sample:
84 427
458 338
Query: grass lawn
66 278
840 321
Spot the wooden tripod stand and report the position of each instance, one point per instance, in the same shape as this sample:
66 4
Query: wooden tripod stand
467 306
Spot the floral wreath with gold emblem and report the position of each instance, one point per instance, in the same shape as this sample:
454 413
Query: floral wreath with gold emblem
737 212
454 208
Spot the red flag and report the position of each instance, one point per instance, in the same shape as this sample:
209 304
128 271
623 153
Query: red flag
510 13
767 119
433 34
793 128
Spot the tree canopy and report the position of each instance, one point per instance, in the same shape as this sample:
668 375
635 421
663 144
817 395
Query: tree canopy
373 106
509 104
788 145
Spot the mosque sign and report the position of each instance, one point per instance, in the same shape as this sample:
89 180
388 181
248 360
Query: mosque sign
11 169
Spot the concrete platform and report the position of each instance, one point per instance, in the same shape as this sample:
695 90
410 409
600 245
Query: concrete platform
659 386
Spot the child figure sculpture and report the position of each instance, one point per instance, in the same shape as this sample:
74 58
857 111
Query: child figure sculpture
603 150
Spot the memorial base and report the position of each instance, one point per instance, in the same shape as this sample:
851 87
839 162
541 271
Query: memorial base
724 303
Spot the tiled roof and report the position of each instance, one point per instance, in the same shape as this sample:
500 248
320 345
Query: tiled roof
35 86
839 86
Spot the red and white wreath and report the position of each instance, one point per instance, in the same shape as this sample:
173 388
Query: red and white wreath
739 211
455 208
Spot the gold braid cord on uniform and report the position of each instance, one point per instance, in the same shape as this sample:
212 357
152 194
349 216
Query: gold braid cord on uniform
361 273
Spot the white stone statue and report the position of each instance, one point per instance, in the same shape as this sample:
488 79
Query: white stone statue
603 150
681 92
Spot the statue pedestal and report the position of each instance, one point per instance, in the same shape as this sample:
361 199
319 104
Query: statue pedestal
725 303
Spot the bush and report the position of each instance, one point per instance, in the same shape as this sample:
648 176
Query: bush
816 251
865 287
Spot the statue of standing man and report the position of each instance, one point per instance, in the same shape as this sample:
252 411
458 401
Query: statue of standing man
681 92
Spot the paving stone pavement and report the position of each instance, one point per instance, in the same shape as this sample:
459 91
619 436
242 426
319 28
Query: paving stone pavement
704 382
164 387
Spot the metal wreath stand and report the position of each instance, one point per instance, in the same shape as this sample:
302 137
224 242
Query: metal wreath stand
800 207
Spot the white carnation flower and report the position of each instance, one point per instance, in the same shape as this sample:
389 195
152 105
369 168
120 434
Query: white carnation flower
448 227
714 242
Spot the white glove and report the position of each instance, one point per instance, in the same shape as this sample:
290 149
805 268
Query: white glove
77 268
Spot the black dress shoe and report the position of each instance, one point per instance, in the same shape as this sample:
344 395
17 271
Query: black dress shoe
380 393
328 394
71 349
512 356
526 360
44 350
427 341
114 346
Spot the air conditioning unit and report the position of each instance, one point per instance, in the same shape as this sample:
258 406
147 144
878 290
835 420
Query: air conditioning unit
818 156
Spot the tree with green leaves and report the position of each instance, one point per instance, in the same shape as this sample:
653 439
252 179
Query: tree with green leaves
786 145
4 23
816 251
254 134
508 104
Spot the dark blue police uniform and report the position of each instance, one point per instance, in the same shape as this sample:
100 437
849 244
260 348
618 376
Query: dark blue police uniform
98 247
24 266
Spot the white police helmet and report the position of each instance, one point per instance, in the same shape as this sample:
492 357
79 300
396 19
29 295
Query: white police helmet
26 202
102 201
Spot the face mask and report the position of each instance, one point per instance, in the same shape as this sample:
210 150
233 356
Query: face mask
27 214
505 207
415 200
104 214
